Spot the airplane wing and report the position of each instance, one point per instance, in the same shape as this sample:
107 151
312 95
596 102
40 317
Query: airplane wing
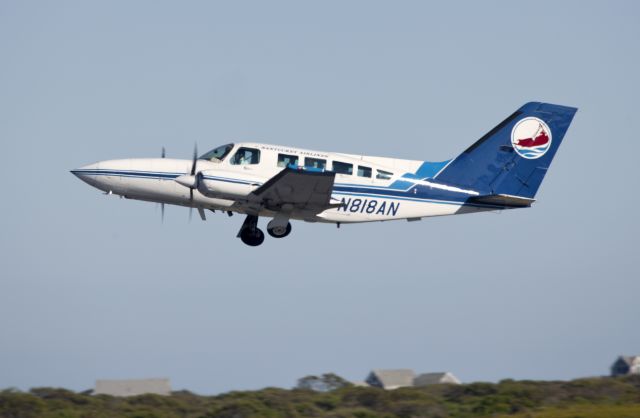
303 189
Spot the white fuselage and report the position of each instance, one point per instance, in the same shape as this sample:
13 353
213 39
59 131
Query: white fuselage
370 188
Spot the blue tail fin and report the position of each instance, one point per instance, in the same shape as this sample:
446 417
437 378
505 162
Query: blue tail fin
513 157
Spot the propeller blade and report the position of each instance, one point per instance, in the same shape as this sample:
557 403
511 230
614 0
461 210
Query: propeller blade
162 212
195 159
164 153
195 180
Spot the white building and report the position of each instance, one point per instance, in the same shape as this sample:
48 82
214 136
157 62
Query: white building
435 378
132 387
625 365
399 378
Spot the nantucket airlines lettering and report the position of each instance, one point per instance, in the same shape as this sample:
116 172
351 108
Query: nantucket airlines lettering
370 206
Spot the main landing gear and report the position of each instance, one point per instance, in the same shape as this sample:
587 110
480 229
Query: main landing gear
251 235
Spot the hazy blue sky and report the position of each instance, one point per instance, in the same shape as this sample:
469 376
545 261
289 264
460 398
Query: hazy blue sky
96 287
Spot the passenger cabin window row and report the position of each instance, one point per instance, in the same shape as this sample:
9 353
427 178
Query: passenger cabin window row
285 160
251 156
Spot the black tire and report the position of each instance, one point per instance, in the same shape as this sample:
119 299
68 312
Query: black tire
287 232
252 238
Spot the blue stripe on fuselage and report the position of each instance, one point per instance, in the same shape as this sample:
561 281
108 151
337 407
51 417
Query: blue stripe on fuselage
128 173
417 193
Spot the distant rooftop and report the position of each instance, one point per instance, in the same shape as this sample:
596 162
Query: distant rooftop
626 365
132 387
391 378
435 378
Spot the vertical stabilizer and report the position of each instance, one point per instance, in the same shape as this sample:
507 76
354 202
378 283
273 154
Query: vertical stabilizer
512 158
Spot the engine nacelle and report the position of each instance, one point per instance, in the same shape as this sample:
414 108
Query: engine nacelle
223 184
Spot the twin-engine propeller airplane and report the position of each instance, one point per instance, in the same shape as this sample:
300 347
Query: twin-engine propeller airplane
502 170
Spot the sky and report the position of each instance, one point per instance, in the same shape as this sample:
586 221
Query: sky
97 287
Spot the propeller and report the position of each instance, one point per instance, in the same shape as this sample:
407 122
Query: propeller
192 180
193 171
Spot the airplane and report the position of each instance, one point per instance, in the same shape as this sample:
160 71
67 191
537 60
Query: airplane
501 170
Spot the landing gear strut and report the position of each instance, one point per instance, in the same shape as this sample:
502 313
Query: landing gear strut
249 233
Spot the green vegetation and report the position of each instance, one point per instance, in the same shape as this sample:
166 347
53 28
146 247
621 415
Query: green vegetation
582 398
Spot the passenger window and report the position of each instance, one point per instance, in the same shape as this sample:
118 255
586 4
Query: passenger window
342 168
246 156
364 171
384 175
315 163
285 160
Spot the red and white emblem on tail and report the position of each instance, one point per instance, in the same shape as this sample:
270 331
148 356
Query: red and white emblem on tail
531 138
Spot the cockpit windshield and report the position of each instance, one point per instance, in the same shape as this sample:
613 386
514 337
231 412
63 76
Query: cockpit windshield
217 154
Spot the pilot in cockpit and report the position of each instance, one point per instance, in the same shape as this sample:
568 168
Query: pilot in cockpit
241 158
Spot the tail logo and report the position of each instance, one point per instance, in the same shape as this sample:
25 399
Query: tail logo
531 138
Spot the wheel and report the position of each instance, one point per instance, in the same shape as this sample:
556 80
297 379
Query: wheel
279 231
252 237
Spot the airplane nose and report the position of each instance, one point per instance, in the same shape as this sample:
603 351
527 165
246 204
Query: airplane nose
87 173
106 175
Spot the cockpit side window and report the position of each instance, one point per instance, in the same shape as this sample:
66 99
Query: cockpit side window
245 156
217 154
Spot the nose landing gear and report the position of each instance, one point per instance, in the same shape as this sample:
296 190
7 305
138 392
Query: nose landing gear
278 230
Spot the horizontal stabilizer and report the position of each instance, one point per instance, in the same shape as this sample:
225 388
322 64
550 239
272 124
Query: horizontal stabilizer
505 200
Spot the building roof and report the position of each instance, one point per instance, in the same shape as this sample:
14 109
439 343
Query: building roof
435 378
630 360
392 378
132 387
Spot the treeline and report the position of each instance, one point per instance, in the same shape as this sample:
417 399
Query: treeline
585 398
